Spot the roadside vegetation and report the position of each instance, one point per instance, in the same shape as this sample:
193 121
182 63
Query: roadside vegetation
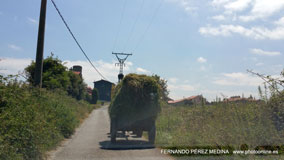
232 126
33 120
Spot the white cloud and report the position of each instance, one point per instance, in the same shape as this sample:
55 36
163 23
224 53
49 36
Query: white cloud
237 79
13 65
280 22
14 47
141 70
254 32
248 18
264 53
219 17
181 87
237 5
219 2
31 20
173 80
265 8
250 10
187 87
186 5
201 60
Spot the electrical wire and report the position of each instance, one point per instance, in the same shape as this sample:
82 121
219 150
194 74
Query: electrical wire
119 26
134 24
62 18
149 25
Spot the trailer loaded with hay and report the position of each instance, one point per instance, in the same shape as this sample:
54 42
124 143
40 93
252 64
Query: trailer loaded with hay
135 106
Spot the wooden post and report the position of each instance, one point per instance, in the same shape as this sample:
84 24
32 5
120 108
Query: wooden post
40 45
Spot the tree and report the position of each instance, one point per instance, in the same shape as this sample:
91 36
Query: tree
95 96
163 86
77 87
54 74
57 76
276 99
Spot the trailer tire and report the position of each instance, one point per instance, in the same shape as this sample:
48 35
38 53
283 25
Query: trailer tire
113 132
152 134
139 133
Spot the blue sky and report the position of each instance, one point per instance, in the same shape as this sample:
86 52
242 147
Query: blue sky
200 47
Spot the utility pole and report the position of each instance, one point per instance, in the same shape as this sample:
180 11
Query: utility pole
40 45
121 63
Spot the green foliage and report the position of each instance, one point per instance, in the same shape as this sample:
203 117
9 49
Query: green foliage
54 75
136 97
95 96
88 98
163 87
276 103
276 100
77 87
33 121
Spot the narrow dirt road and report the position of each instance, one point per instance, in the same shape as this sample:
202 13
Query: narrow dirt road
91 141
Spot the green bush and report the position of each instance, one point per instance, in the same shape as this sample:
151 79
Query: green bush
33 121
136 97
276 103
95 96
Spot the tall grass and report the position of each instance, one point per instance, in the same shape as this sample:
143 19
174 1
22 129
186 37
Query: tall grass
224 125
33 121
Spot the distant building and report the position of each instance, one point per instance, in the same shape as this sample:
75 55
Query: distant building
77 70
104 88
240 99
199 99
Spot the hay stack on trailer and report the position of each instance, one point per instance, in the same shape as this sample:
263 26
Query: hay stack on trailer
135 106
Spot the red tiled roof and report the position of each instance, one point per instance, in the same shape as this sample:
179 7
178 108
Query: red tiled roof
76 72
180 100
238 98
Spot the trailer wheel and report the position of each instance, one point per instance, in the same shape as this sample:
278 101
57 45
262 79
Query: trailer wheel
113 132
152 134
139 133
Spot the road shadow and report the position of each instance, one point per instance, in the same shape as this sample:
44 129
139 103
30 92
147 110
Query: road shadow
126 145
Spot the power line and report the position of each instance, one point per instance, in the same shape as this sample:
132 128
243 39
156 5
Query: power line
119 26
134 24
151 21
62 18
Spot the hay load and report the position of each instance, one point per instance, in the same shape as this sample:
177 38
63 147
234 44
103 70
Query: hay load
135 105
136 97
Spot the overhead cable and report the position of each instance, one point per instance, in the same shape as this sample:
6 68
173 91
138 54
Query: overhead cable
62 18
134 24
119 26
149 25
